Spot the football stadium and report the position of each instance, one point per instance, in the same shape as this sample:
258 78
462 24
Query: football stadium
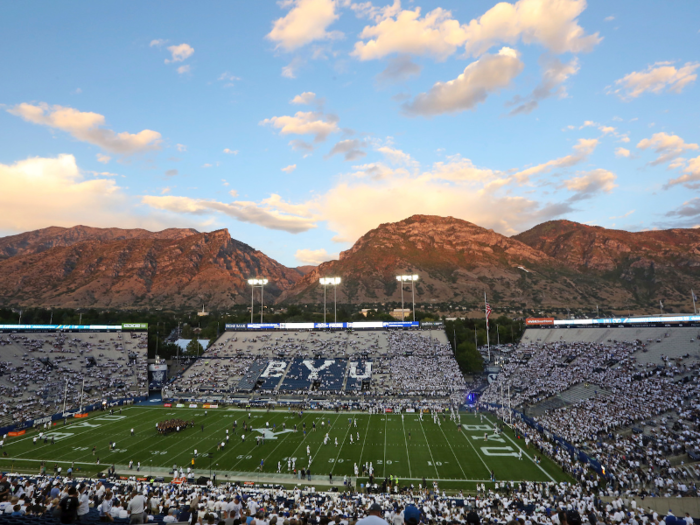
350 262
359 408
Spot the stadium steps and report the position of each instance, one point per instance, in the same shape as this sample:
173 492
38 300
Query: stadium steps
283 376
249 380
568 397
345 377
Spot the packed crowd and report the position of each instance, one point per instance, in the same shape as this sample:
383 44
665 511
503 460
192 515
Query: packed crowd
513 503
640 430
35 369
416 363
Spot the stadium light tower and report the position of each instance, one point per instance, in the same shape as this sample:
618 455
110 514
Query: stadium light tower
334 281
254 283
402 279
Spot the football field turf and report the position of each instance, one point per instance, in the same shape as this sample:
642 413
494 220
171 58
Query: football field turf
396 445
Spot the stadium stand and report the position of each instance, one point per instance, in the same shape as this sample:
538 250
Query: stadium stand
36 368
37 502
368 363
628 397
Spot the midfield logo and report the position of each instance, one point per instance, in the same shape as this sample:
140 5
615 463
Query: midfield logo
269 434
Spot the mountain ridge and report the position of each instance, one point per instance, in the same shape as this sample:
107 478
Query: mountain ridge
556 263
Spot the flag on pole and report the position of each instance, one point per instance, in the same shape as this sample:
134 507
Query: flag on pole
488 311
661 304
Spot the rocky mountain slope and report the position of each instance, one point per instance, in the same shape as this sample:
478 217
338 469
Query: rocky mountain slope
456 261
41 240
555 264
113 268
651 265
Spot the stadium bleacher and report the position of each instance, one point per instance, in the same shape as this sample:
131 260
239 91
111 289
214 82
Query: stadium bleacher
371 363
627 396
38 368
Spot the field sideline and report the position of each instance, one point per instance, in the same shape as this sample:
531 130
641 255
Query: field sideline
396 445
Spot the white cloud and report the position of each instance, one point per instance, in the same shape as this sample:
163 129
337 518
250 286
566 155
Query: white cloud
305 98
587 184
305 123
550 23
554 74
487 75
86 126
436 34
314 257
399 69
306 22
179 53
690 208
230 151
376 171
228 78
350 149
181 148
183 69
41 192
158 42
623 215
397 157
291 69
353 208
104 159
609 18
271 213
582 150
668 147
691 178
662 76
622 152
459 169
289 168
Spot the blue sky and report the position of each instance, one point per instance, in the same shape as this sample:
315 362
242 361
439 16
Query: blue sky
300 125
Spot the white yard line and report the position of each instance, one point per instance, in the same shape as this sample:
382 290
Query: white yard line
341 447
408 455
386 420
429 449
453 452
364 440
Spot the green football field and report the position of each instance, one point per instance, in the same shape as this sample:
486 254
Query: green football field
396 445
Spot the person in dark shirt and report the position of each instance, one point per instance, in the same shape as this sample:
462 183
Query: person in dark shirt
69 506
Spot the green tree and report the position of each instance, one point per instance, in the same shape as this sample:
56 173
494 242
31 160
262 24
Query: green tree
194 347
469 359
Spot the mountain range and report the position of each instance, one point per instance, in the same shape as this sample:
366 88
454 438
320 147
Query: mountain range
554 264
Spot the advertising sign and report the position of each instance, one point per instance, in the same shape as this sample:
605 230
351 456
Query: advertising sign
135 326
539 321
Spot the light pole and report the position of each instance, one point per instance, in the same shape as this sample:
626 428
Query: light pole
333 281
253 284
402 279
